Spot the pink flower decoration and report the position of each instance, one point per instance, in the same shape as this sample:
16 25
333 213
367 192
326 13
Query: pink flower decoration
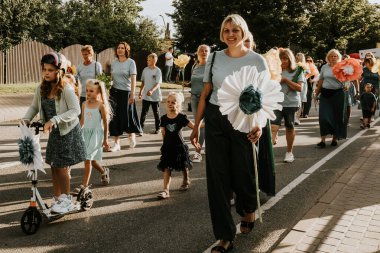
347 70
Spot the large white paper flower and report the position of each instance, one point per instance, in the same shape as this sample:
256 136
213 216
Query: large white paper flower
249 98
30 150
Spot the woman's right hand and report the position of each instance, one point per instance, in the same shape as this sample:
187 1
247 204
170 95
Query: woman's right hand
194 138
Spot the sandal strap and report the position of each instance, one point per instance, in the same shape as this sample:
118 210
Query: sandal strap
219 248
247 224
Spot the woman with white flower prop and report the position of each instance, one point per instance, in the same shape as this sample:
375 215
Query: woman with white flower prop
230 159
292 81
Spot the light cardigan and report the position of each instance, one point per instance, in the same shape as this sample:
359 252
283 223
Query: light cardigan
67 108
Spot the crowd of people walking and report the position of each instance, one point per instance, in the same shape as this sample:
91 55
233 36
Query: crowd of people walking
80 117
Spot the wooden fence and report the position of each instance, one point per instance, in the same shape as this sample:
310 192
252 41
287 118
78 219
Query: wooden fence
105 58
73 54
21 64
2 67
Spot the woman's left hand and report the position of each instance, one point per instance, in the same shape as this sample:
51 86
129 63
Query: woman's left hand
254 135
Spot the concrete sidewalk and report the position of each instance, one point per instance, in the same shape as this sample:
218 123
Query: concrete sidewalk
14 106
347 217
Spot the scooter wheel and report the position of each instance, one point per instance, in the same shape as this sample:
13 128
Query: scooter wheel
85 199
31 220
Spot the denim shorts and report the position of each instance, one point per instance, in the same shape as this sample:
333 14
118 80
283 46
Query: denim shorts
288 113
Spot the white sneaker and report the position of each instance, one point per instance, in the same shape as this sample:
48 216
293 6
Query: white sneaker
297 121
105 179
132 140
64 204
54 201
197 158
115 148
289 157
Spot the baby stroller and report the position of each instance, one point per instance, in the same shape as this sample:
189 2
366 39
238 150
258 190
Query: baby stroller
31 157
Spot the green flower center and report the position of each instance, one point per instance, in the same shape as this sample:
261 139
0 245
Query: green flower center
26 150
250 100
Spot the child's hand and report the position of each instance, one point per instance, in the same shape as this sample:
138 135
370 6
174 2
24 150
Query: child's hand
140 96
194 138
149 93
48 127
106 145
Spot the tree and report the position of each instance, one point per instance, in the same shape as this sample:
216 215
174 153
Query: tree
347 25
309 26
100 23
273 22
18 18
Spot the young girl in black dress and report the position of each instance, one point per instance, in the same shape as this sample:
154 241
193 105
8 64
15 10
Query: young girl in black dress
174 151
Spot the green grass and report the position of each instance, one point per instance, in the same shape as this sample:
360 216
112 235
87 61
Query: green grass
25 88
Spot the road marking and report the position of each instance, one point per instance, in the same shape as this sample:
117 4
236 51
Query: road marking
284 191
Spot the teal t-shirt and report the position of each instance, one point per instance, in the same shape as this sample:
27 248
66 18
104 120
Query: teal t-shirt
121 74
292 98
225 65
197 79
88 72
329 80
151 77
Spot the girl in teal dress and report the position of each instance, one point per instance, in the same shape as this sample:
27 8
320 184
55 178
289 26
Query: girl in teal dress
94 121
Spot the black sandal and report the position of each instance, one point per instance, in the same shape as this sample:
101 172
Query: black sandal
221 249
321 144
247 224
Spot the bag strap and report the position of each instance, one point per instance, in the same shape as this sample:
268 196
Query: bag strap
211 65
95 69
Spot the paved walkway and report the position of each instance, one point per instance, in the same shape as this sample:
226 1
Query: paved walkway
347 217
14 106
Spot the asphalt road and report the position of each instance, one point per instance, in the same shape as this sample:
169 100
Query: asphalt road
127 217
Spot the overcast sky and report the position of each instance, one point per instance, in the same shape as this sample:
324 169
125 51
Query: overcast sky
154 8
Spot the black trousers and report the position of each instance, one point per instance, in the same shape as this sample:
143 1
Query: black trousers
306 106
156 113
229 168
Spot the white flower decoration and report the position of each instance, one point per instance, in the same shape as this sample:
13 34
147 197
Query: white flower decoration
28 135
264 95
